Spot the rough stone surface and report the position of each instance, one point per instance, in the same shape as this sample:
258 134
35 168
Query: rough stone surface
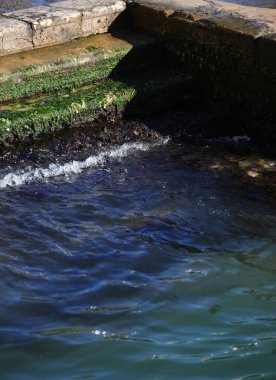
248 32
261 12
70 19
101 18
14 36
50 25
97 16
98 6
64 21
231 59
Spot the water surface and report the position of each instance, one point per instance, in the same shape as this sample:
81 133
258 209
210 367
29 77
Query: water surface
153 264
12 5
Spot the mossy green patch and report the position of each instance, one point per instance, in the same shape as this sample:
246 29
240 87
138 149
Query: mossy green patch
30 82
57 112
138 94
94 49
233 72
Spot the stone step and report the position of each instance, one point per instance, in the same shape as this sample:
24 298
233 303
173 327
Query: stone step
23 122
230 55
77 63
63 21
81 81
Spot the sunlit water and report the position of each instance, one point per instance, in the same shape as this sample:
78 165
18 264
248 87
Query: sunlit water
146 265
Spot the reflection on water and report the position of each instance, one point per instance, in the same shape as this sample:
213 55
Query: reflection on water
12 5
155 265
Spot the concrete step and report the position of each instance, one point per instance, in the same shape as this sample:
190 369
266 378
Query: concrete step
140 94
51 70
230 55
98 76
50 25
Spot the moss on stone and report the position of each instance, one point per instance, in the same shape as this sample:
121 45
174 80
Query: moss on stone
223 58
94 49
56 112
136 94
40 100
27 83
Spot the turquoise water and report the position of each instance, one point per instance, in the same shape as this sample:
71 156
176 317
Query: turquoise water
147 264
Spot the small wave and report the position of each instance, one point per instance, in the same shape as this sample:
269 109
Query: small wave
75 167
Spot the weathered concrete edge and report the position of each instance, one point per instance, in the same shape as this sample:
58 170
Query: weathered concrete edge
234 73
71 19
260 46
45 26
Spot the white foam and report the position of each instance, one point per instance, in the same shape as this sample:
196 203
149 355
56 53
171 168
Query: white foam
75 167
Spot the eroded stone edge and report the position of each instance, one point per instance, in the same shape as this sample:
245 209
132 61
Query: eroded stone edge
88 23
262 44
21 40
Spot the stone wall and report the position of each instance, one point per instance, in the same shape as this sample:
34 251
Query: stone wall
61 22
233 69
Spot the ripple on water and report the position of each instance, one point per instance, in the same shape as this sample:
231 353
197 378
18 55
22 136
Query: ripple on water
146 264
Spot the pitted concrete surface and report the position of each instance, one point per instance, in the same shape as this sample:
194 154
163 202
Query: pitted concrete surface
14 36
257 11
50 26
71 19
251 21
262 13
61 22
96 15
76 52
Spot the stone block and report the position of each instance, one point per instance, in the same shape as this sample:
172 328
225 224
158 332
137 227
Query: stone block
90 4
97 15
50 25
15 36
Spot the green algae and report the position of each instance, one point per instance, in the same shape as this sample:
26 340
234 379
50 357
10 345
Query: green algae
39 100
50 114
30 82
94 49
139 94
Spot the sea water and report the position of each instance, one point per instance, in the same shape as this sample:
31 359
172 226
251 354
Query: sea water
145 261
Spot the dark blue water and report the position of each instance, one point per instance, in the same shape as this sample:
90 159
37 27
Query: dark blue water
152 265
11 5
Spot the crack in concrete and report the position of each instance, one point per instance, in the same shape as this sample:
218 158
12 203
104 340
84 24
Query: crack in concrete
22 21
33 31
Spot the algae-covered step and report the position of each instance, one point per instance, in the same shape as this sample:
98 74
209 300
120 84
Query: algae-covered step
31 118
76 83
64 76
74 64
23 121
105 76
